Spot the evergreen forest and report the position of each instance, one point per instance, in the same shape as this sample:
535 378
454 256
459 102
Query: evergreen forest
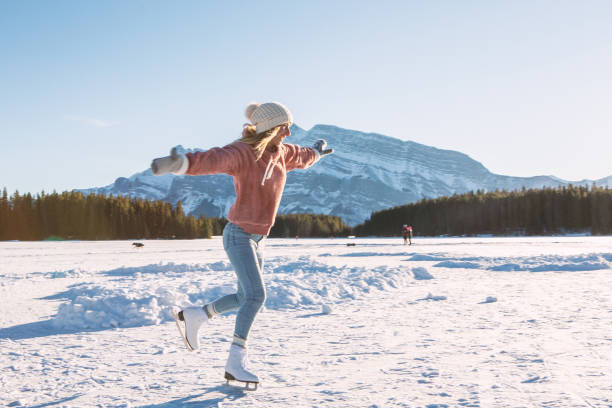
546 211
72 215
308 225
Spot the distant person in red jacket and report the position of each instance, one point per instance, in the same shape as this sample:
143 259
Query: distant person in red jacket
407 233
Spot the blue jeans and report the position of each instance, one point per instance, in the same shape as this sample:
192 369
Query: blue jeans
245 252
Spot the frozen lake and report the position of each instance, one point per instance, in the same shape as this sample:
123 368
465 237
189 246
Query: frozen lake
447 322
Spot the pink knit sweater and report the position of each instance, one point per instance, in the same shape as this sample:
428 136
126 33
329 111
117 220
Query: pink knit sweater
259 183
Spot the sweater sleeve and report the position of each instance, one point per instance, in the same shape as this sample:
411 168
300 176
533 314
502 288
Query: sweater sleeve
216 160
297 157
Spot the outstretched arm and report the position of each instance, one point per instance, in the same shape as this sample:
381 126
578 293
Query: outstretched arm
303 157
216 160
175 163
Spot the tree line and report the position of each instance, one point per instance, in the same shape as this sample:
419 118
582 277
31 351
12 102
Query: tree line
308 225
73 215
523 212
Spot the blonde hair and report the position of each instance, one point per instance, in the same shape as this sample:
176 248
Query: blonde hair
259 141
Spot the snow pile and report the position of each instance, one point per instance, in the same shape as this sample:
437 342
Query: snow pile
433 297
168 268
95 307
540 263
52 274
304 282
552 263
136 298
489 299
143 295
71 273
429 257
421 273
459 264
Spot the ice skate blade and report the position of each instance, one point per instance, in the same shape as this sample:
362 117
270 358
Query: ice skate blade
243 385
180 329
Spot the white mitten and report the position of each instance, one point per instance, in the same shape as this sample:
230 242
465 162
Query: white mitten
320 145
174 163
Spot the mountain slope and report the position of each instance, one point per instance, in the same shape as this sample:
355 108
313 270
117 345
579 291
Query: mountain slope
367 172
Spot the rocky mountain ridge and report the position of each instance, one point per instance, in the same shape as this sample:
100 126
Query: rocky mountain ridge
367 172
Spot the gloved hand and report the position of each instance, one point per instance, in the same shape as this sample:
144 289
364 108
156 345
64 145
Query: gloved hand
320 145
168 164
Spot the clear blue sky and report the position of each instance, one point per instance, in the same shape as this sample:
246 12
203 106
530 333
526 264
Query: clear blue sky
93 90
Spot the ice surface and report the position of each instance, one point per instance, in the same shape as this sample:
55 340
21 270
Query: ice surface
86 323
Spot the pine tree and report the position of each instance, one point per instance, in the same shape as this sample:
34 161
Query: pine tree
5 214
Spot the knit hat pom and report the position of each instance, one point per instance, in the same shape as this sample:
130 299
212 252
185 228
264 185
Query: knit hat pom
250 109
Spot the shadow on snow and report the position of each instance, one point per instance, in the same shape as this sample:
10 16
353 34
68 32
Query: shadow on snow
39 329
228 394
49 404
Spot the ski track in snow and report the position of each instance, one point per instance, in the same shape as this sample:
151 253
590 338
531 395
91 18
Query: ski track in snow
447 322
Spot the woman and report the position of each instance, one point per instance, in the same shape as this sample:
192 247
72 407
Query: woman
259 163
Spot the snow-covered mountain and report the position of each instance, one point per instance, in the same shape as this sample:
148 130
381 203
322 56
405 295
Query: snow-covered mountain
368 172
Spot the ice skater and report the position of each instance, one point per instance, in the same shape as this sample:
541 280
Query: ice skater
407 233
258 162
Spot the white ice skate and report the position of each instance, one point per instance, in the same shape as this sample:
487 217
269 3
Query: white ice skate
236 368
188 321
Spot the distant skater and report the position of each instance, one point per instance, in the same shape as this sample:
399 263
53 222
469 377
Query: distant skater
259 162
407 234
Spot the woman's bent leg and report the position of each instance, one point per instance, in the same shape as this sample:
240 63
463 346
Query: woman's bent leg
224 304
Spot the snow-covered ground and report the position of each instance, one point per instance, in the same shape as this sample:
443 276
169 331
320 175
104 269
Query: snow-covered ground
453 322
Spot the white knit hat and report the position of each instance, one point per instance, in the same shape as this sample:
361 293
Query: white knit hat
267 115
